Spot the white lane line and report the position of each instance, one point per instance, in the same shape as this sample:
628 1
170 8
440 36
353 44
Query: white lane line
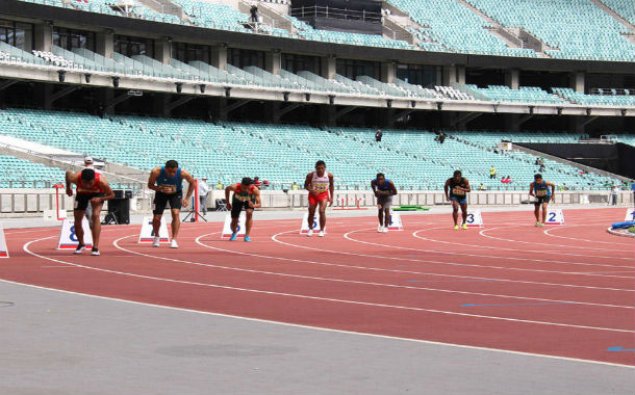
357 282
392 258
586 274
484 234
417 235
548 233
27 249
321 329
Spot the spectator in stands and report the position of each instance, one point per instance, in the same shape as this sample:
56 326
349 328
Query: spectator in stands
440 138
220 186
253 11
492 172
378 135
203 191
541 168
482 187
295 186
266 184
257 182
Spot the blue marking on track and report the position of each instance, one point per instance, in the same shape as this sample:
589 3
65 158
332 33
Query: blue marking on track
620 349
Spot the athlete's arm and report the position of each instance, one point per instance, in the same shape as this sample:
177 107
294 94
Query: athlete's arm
307 183
447 189
190 187
531 189
393 189
331 189
373 186
70 179
108 192
258 202
467 188
231 188
553 188
152 180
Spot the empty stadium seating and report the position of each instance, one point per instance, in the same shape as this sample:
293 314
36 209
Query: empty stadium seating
576 29
21 173
284 153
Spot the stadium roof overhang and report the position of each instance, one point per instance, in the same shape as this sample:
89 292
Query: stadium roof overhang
263 42
76 77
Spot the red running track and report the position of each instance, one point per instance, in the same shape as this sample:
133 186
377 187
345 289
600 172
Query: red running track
564 291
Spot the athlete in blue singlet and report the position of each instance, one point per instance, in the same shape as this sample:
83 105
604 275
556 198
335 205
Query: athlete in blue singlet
384 191
456 190
544 192
167 181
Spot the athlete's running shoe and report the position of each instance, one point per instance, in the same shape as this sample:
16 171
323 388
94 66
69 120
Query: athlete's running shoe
174 244
456 227
247 239
80 248
321 234
156 242
537 224
385 230
464 226
95 252
309 233
234 236
380 229
540 224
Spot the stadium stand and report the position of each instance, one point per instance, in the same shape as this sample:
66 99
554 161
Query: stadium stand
284 153
577 29
456 28
21 173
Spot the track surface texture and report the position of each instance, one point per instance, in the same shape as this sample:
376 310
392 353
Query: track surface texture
563 291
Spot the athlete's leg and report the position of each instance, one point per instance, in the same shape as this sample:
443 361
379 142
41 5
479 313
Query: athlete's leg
176 222
455 212
156 224
311 217
537 211
380 216
464 213
544 212
249 215
95 223
79 230
323 205
387 217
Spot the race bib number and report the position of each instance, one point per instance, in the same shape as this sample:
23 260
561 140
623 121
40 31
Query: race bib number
168 189
458 191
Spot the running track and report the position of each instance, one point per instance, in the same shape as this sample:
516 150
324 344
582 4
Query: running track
565 291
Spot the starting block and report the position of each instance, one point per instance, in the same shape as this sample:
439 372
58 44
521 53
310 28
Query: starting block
227 229
147 234
304 228
474 219
68 237
4 251
630 214
394 223
555 217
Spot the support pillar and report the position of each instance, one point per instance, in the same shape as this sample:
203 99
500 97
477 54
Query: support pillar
329 67
578 80
273 62
219 57
105 43
512 78
163 50
389 72
43 33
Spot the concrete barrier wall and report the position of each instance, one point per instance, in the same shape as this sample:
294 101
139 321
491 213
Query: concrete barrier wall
14 201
